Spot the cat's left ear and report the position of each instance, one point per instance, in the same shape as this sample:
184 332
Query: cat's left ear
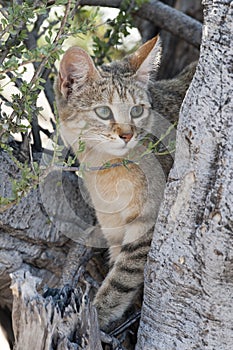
145 59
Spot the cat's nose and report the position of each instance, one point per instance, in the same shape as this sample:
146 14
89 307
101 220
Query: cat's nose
126 136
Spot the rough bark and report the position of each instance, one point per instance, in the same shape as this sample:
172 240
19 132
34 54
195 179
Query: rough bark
188 289
34 252
46 323
32 231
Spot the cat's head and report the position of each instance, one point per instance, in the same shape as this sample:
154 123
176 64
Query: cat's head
106 107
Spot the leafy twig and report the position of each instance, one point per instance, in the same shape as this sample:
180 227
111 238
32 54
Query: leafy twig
57 38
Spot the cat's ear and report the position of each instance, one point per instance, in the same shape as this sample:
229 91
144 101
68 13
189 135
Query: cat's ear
145 59
76 67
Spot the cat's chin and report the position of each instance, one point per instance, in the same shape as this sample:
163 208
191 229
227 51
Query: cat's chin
116 149
119 152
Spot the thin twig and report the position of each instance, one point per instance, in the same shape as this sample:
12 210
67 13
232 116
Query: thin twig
24 63
45 59
126 324
58 36
31 155
9 43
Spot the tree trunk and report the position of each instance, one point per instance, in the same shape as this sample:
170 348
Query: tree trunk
189 281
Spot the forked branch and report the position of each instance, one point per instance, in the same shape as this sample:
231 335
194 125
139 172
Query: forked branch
163 16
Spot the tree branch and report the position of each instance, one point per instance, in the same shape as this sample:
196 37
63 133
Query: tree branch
162 16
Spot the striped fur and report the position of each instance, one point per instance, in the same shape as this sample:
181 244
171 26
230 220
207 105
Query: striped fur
126 198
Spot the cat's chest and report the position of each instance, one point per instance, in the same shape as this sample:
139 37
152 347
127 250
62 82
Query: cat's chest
117 189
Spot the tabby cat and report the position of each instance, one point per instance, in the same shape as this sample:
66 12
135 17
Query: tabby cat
111 109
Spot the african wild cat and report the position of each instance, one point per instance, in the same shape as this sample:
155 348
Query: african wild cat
111 108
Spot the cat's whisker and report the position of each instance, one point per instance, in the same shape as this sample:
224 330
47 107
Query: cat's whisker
99 136
92 139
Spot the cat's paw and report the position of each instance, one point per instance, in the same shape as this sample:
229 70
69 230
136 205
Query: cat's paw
109 312
103 315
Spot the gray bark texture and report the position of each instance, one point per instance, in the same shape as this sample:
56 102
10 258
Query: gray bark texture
188 295
35 256
44 325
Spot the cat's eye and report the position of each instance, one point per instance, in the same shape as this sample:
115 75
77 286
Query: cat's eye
137 111
104 112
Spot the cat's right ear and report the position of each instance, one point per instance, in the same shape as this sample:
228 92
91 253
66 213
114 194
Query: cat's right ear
146 59
76 67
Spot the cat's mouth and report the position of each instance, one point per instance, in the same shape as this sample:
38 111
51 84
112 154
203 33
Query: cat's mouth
119 146
111 144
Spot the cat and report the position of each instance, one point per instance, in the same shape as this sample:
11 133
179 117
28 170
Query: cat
112 109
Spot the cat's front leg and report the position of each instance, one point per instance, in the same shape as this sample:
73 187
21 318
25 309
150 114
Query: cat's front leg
123 282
